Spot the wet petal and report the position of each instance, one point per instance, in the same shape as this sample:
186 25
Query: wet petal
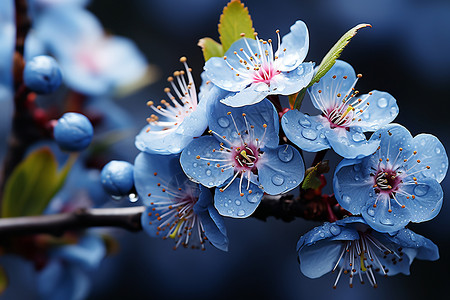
305 131
280 170
252 94
230 203
319 258
296 43
432 153
350 143
287 83
218 71
203 163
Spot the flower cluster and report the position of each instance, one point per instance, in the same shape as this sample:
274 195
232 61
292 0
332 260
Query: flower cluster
218 154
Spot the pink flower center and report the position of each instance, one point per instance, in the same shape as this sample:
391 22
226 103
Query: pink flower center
265 74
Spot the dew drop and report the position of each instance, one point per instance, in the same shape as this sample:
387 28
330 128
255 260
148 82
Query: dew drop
237 202
116 198
443 165
309 134
386 221
189 152
304 122
133 197
223 122
208 172
300 71
371 211
226 204
285 154
394 111
335 230
437 150
277 179
195 165
346 198
319 127
211 183
254 197
358 137
322 136
421 189
230 211
322 234
382 102
241 213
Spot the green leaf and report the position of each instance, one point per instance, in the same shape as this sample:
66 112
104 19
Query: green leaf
33 183
312 180
210 48
234 21
3 280
329 60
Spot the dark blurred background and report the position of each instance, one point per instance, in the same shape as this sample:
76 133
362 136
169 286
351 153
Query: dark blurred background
406 53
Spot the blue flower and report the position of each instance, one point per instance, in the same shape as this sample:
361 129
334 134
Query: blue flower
67 275
73 132
176 207
251 68
399 183
92 63
175 125
352 247
244 144
7 42
345 116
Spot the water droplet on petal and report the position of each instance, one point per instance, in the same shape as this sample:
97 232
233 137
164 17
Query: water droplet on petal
437 150
237 202
254 197
421 189
277 179
195 165
211 183
371 211
394 111
117 198
223 122
309 134
382 102
241 212
322 234
386 221
322 136
285 154
208 172
346 198
335 230
133 197
304 122
319 127
358 137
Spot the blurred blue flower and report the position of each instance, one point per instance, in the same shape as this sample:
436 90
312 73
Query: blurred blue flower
117 178
92 62
244 144
353 248
177 208
173 127
73 132
67 275
399 183
345 116
7 42
251 68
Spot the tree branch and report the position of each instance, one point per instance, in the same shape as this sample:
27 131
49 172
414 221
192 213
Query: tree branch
128 218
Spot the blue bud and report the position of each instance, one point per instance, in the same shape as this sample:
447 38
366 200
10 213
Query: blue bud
117 178
42 74
73 132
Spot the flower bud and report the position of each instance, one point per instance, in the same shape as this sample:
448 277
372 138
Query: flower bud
73 132
42 74
117 178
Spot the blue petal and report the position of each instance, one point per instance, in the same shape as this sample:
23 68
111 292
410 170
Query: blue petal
380 219
304 131
427 200
296 44
319 258
252 94
150 223
330 87
63 281
229 203
353 186
425 248
145 180
287 83
158 141
350 143
393 137
432 153
280 170
382 110
212 222
87 254
257 115
201 152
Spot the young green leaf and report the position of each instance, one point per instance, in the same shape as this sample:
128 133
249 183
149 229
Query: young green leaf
234 21
210 48
329 60
33 184
312 180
